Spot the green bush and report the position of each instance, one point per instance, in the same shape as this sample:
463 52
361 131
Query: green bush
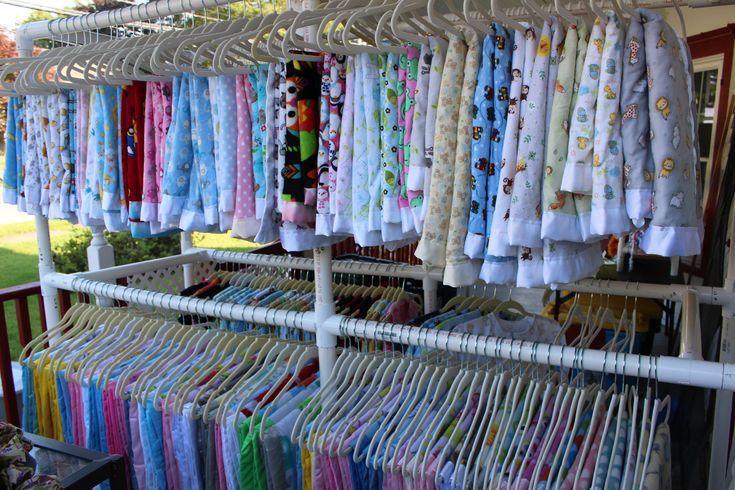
71 254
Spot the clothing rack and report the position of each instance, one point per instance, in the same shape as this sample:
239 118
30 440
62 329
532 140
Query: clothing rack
328 325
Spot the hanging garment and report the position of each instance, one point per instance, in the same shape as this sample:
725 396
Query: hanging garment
422 159
178 164
13 159
343 186
365 71
524 223
676 225
387 205
408 71
132 132
460 270
268 230
559 218
609 215
323 226
578 169
80 166
433 244
225 132
500 264
244 223
482 166
635 127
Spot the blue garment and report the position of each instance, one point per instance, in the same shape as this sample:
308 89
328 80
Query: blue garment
482 124
179 155
64 398
111 164
10 176
30 416
151 438
203 146
502 64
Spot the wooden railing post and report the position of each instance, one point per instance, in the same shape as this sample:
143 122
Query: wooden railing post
6 373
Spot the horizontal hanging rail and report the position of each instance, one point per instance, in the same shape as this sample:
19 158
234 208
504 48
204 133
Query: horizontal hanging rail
689 372
185 304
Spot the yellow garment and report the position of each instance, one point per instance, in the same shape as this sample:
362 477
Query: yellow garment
305 469
47 403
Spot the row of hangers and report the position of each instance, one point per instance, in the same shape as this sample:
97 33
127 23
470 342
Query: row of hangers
187 355
431 385
229 47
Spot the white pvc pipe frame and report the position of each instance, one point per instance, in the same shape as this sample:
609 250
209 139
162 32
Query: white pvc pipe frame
25 35
689 372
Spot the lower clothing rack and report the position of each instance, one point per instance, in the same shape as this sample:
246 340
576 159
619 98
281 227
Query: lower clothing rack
691 372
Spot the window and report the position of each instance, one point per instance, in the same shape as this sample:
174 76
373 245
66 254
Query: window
707 74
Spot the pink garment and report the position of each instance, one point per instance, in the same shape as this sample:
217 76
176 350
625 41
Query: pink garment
158 110
137 446
525 479
344 469
585 478
588 470
115 423
319 480
244 225
80 431
405 121
172 469
220 460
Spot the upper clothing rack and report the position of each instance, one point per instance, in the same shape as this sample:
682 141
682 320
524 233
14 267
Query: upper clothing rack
328 325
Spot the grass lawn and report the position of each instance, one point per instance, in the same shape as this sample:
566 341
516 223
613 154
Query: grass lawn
19 264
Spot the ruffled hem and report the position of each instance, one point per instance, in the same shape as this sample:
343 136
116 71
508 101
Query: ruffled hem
638 205
226 200
407 224
432 252
324 224
375 221
114 221
245 228
225 220
560 227
149 211
10 196
584 228
366 238
418 220
498 246
268 231
193 221
259 207
474 246
502 270
531 272
463 273
672 241
211 215
391 232
343 224
609 221
577 178
391 213
170 208
575 261
523 233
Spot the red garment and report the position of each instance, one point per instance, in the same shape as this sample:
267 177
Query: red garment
132 121
308 371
